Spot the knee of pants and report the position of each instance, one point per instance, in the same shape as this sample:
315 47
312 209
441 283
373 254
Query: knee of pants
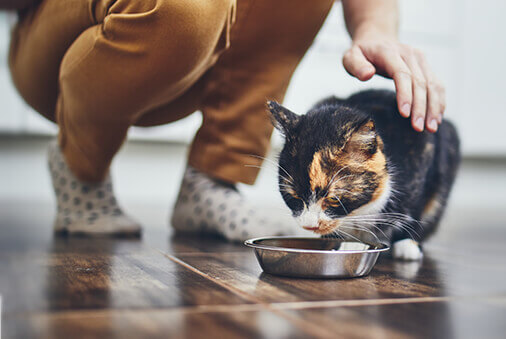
173 34
145 54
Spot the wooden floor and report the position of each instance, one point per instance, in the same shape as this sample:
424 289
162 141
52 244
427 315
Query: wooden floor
173 287
181 287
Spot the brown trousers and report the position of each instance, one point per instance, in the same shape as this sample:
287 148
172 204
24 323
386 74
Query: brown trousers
97 67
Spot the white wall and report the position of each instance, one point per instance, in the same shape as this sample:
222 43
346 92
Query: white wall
463 40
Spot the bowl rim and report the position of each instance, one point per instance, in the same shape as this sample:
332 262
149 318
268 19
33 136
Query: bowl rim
251 243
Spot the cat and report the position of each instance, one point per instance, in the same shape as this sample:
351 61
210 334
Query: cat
355 166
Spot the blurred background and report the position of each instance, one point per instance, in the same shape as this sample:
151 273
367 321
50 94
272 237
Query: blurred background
463 41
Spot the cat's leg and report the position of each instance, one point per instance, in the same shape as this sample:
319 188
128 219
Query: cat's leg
405 234
207 205
448 160
407 249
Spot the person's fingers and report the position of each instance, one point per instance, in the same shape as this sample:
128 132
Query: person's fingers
419 84
397 69
357 64
436 104
402 80
435 96
442 103
433 107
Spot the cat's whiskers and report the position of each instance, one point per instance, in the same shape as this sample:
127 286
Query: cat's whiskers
398 224
379 219
340 189
271 169
360 228
396 220
351 236
287 182
371 224
274 163
335 175
334 234
344 208
343 190
404 219
388 214
343 177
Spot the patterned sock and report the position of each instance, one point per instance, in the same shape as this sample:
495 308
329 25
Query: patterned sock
86 208
207 205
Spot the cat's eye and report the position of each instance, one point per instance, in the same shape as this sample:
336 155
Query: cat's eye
336 206
334 201
294 203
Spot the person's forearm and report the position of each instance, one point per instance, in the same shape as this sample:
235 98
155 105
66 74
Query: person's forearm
16 4
366 16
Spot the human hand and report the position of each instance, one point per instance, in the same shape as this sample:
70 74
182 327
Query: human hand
420 94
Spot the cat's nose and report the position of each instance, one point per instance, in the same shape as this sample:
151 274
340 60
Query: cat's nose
309 218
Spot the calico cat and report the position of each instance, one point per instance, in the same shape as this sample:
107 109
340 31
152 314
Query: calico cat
356 166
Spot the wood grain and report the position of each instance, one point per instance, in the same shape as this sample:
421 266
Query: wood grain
101 273
154 324
191 286
458 318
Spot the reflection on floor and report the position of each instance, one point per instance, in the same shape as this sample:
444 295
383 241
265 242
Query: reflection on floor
167 285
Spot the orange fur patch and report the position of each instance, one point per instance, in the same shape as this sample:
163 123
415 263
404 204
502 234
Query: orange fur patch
377 164
317 176
431 207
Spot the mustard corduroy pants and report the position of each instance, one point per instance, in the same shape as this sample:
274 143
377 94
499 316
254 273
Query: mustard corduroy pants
97 67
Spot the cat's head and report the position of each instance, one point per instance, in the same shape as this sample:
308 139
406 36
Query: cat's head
332 167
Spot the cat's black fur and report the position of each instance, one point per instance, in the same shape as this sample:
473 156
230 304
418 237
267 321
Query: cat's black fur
423 165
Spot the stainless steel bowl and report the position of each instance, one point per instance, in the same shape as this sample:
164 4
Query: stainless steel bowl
315 257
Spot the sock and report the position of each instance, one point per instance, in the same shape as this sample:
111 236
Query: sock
208 205
86 208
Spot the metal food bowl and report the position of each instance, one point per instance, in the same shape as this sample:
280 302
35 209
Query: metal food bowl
315 257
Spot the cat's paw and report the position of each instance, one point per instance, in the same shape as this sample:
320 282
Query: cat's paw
407 249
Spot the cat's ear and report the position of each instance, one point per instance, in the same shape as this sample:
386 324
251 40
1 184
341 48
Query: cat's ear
363 141
283 119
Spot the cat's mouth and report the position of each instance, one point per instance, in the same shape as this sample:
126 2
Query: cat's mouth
323 227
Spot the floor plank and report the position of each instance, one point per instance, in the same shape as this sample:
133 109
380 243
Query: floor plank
456 318
102 273
161 323
389 279
460 318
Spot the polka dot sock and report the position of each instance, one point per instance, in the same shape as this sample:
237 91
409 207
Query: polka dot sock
206 205
86 208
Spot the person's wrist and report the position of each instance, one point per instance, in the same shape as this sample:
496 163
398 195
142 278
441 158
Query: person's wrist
373 31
